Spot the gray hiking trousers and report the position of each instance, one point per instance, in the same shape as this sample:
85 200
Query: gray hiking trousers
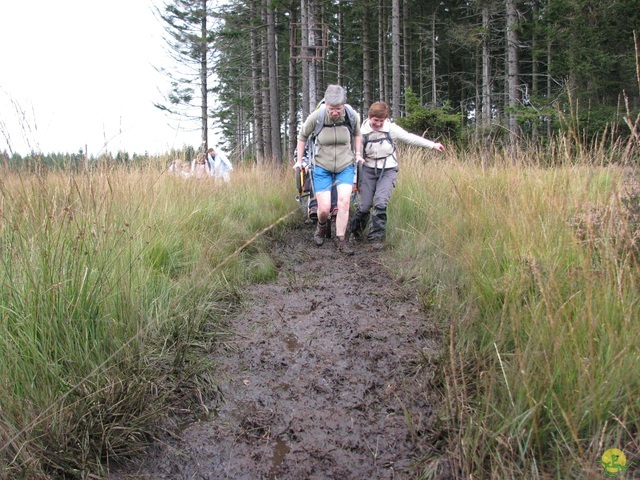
376 187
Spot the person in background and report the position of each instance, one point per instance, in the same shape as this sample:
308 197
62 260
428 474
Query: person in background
333 164
211 160
220 166
200 167
380 171
177 167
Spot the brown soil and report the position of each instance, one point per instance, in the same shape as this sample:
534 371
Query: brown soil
326 378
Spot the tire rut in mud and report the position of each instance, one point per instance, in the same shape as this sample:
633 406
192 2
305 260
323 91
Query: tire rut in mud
325 377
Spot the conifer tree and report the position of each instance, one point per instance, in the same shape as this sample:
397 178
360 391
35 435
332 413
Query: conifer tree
189 38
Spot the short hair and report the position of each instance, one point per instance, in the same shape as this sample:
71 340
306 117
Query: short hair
335 95
379 110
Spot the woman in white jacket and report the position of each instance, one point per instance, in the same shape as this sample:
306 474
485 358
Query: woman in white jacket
380 171
219 165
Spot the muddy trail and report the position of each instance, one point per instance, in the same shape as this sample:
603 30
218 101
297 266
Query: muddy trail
325 377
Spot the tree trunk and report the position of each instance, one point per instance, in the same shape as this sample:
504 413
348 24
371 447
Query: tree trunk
240 129
264 87
313 51
293 88
549 85
204 91
274 92
320 52
257 91
396 73
367 82
535 67
421 69
382 62
486 69
434 81
306 62
406 54
340 40
512 68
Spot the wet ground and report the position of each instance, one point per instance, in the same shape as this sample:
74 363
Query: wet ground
326 377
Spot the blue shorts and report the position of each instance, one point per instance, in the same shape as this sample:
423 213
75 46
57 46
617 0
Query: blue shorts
324 180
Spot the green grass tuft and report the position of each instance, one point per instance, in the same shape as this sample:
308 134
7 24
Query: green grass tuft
115 284
533 274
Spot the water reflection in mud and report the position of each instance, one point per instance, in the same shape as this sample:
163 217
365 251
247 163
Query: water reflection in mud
292 343
279 451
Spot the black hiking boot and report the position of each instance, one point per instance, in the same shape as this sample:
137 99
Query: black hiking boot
377 244
321 232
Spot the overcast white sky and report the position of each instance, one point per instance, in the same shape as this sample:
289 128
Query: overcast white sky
76 73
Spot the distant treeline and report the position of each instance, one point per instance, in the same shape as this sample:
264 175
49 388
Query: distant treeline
37 161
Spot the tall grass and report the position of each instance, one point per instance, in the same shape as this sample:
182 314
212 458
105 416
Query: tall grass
533 275
113 285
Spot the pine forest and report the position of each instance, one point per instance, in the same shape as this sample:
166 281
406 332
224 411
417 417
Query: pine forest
472 72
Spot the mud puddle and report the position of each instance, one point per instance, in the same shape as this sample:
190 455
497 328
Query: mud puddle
325 378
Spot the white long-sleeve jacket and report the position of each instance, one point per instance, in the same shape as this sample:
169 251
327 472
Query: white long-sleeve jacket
379 152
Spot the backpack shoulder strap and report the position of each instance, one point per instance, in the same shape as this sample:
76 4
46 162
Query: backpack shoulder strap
387 137
309 148
322 110
350 116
